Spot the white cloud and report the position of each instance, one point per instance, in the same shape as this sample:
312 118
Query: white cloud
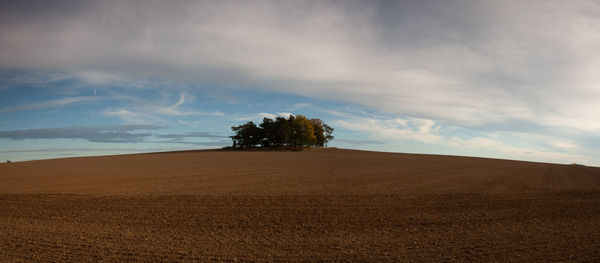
267 115
190 123
49 104
321 109
142 111
128 116
469 64
509 145
414 129
97 77
499 148
284 114
481 64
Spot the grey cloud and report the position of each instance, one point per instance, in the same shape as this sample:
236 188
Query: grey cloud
55 149
466 63
204 135
217 143
113 134
215 140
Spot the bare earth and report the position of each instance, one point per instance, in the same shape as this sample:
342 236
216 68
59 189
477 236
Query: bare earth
329 205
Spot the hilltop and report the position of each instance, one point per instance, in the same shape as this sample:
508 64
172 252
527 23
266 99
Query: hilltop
321 205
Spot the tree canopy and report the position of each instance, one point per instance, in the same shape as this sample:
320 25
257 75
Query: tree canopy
295 131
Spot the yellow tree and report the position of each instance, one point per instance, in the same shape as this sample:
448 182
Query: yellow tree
305 131
319 131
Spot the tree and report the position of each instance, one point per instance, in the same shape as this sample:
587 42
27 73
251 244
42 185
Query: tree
305 131
237 138
282 131
318 131
246 135
268 128
295 131
328 132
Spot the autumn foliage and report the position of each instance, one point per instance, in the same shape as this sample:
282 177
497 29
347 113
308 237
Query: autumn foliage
295 131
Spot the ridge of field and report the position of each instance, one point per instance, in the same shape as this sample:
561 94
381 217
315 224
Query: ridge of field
331 172
306 206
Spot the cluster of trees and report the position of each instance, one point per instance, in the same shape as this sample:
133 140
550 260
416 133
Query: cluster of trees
295 131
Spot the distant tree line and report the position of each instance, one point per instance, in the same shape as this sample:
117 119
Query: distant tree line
295 131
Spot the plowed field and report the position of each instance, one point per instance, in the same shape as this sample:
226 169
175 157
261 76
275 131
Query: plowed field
330 205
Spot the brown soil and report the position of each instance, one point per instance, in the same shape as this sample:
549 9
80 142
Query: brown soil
331 205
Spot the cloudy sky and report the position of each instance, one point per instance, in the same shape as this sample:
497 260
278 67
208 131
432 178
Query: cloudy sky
504 79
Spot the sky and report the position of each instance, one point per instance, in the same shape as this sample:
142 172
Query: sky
502 79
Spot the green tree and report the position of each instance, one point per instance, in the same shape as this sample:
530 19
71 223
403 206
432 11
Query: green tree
282 131
269 132
246 135
328 132
319 131
293 137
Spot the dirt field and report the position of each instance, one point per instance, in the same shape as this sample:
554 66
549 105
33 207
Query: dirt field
332 205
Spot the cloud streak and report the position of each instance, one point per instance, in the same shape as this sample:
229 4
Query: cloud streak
141 111
114 134
105 134
203 135
55 149
415 129
49 104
